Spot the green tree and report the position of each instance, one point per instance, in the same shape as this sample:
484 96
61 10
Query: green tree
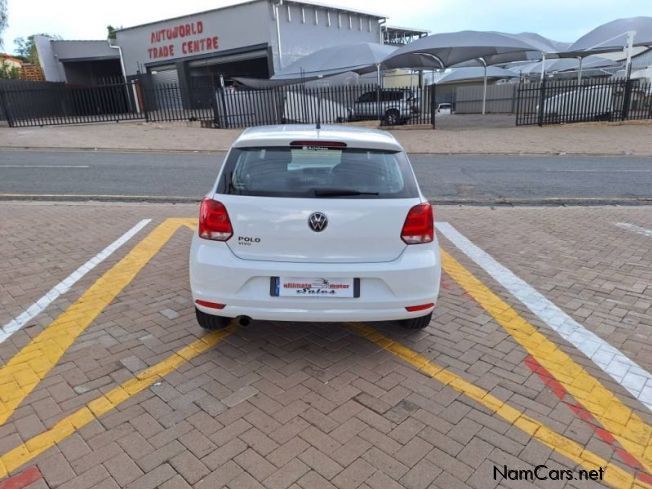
8 72
3 20
110 32
26 48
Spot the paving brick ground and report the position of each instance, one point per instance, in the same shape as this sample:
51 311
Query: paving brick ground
313 405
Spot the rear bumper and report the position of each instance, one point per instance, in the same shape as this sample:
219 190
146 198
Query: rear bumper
386 289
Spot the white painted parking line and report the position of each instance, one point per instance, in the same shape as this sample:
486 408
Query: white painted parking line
62 287
612 361
635 229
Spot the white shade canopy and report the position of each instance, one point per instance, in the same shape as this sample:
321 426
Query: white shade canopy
358 57
473 73
612 36
448 49
563 65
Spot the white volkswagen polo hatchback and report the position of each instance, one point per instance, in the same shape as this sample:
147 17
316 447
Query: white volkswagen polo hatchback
307 224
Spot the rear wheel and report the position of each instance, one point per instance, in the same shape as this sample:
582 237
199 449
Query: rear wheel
392 117
210 322
416 323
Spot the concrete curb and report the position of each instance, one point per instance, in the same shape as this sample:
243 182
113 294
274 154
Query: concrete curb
215 151
549 202
172 199
82 149
502 202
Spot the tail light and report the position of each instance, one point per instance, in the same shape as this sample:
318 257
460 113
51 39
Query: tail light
421 307
419 225
214 222
212 305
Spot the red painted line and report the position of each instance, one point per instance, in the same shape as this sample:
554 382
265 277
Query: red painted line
558 389
24 479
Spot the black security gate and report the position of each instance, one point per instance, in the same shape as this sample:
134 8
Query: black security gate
567 101
329 105
166 102
59 103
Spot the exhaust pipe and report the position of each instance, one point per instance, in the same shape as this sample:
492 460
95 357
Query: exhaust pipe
244 320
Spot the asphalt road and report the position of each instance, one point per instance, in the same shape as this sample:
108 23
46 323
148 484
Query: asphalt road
461 177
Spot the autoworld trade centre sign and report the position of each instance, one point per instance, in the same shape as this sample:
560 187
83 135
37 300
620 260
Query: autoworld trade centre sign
186 39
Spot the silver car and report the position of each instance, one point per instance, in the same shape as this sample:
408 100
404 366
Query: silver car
396 105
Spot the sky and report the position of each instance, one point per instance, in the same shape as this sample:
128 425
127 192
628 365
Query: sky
561 20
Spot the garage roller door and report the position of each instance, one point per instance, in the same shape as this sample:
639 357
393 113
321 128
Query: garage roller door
165 82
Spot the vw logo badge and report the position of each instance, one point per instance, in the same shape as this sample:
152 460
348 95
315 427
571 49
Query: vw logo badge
317 221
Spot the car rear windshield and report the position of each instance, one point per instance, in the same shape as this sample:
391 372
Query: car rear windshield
305 172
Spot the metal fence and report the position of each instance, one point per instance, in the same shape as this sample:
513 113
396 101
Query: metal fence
546 102
164 102
567 101
234 108
331 105
220 106
58 103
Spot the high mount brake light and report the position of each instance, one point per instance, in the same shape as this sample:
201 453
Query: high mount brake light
318 144
419 226
214 222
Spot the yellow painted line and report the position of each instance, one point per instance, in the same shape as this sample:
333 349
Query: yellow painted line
613 474
634 434
20 375
27 451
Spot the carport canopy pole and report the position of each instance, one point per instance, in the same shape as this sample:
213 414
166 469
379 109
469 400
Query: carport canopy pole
484 87
630 47
378 95
436 58
579 71
543 65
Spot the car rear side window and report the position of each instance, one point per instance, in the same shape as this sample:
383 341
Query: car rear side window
304 172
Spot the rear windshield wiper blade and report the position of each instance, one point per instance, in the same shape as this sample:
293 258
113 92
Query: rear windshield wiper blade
339 192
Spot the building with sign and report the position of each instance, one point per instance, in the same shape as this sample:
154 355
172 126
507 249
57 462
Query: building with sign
251 39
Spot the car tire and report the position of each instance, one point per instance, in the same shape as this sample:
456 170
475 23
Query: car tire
392 117
210 322
416 323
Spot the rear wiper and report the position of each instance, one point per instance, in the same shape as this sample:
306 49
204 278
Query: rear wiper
339 192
